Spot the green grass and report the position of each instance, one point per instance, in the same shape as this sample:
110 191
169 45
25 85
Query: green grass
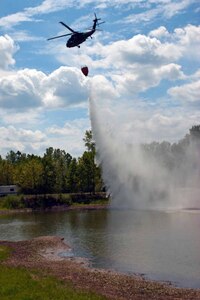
4 252
93 202
22 284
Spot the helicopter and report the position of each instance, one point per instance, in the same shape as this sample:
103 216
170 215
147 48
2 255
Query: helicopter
77 37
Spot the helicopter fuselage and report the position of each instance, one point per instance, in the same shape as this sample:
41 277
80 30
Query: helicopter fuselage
78 38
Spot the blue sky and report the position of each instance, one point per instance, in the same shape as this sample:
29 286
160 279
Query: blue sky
144 67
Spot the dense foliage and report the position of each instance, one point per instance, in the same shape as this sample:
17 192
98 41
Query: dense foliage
54 172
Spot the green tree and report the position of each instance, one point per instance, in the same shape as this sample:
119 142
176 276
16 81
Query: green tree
89 141
89 173
55 172
6 172
29 175
48 171
72 177
87 170
61 164
15 157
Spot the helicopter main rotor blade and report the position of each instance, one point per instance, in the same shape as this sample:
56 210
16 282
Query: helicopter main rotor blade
59 36
67 27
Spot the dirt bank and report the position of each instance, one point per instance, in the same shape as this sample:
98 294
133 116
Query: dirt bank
42 253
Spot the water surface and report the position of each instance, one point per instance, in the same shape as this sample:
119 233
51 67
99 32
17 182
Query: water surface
161 245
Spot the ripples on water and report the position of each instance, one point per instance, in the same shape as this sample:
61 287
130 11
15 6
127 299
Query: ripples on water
162 245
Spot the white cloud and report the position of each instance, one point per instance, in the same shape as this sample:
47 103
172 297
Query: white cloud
159 32
150 50
20 139
21 90
188 41
7 50
139 63
134 66
144 17
183 42
194 76
132 83
157 10
140 50
65 87
28 88
160 47
28 13
189 93
171 8
26 94
102 88
169 71
69 137
154 9
24 36
32 118
49 6
73 128
14 19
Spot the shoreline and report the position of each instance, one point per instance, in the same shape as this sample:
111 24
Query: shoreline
43 253
91 206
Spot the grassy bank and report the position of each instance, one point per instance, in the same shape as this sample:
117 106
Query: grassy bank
50 200
33 270
19 283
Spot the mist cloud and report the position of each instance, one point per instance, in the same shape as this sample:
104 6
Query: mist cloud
140 174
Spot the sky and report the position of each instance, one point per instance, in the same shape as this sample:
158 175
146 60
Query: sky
144 66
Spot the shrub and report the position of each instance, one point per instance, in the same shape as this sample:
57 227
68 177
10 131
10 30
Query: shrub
13 202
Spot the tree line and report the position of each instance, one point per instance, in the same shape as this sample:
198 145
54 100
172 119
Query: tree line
54 172
59 172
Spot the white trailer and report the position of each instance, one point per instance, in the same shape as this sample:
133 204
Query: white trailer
8 190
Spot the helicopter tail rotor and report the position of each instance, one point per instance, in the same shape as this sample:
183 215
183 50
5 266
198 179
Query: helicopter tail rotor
96 19
96 23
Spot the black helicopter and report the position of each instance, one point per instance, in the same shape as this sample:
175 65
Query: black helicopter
78 38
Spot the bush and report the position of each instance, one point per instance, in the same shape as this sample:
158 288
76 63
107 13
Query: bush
47 201
87 198
13 202
44 201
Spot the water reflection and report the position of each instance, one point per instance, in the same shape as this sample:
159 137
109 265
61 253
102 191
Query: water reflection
161 245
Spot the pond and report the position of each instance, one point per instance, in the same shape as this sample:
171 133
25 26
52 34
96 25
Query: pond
160 245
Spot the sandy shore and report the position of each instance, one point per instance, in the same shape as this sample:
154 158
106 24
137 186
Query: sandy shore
43 253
